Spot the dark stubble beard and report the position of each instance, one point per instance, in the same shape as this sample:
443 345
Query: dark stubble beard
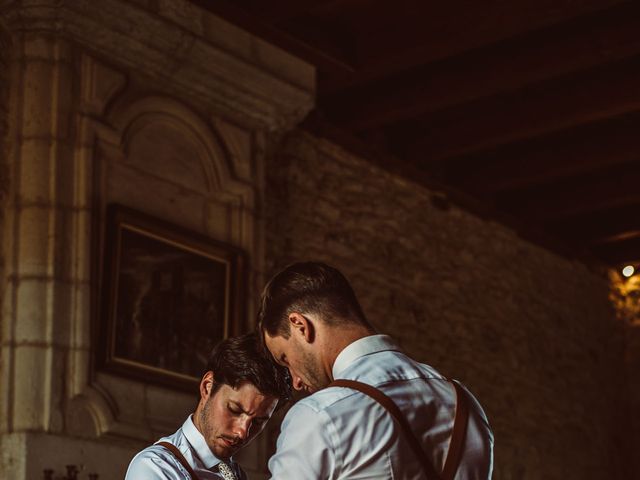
207 430
312 370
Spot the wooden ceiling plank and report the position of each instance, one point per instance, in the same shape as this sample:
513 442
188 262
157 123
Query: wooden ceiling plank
543 160
598 226
558 50
440 32
615 187
620 252
449 28
550 106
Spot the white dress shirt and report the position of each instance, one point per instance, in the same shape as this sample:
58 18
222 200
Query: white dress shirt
340 433
158 463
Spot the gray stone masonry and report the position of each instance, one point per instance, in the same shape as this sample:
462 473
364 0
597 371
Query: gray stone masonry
532 334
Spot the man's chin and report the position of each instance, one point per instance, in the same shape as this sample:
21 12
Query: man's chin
224 451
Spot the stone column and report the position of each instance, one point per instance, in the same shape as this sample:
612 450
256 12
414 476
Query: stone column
39 209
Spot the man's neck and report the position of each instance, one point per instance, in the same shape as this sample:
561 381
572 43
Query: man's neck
337 339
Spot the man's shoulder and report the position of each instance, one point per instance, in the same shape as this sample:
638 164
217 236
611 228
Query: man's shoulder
155 461
388 366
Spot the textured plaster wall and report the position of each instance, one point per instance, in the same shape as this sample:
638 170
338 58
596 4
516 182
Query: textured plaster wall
532 334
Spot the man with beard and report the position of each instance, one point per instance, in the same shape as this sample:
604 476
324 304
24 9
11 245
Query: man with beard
238 394
413 424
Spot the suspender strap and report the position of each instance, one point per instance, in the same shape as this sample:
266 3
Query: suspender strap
176 453
454 454
393 409
456 444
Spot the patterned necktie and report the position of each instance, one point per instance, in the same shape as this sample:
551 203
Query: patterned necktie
226 471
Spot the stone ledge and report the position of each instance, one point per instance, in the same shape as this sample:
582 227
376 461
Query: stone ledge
141 40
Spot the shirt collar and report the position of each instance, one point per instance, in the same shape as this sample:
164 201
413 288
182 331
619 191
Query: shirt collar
199 444
360 348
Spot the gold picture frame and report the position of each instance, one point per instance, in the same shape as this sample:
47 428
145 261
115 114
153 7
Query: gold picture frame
169 295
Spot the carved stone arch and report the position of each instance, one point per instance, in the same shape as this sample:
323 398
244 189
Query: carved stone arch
147 120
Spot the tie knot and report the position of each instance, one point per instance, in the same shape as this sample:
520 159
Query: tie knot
226 471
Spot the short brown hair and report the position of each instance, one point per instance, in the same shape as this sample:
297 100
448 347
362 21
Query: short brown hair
308 287
238 359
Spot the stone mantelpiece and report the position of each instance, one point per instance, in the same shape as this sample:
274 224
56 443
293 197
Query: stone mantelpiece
190 52
155 105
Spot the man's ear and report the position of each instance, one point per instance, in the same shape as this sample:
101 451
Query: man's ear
301 325
206 385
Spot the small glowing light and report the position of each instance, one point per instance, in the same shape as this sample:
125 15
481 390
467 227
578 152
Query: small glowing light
628 271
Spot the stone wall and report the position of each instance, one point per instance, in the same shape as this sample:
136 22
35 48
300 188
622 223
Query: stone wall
532 334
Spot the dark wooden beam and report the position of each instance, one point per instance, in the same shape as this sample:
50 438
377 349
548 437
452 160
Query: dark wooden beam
620 252
549 106
614 187
543 160
577 44
398 36
599 226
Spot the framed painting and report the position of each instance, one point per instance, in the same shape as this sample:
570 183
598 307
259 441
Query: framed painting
169 295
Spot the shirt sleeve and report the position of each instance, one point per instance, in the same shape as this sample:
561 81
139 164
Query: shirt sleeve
305 447
147 465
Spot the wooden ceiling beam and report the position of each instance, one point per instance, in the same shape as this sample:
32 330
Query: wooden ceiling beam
455 26
578 44
600 226
619 252
614 187
550 106
544 160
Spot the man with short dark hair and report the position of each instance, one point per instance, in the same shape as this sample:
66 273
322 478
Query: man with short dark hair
238 394
312 323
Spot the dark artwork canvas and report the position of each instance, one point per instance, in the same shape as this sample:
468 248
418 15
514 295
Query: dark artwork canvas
170 301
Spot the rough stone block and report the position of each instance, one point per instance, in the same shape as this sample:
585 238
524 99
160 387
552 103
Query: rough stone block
167 410
13 462
34 311
217 220
183 13
36 171
35 237
37 94
31 387
128 395
171 202
81 261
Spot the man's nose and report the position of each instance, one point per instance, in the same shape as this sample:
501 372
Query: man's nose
243 425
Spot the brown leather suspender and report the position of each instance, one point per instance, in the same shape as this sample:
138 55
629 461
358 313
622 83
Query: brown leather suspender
456 444
173 449
454 454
